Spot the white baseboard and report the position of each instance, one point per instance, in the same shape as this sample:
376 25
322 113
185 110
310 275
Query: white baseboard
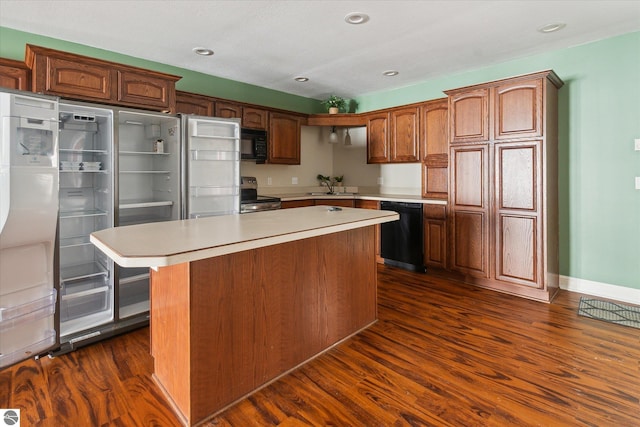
603 290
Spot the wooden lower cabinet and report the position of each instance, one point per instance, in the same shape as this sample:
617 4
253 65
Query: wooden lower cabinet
470 209
435 235
297 203
345 203
223 327
372 204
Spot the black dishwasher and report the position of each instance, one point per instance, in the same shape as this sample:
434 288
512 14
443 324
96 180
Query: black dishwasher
401 242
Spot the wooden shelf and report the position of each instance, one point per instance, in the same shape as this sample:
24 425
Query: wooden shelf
347 120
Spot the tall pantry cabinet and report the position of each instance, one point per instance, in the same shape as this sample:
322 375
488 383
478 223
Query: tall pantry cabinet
503 184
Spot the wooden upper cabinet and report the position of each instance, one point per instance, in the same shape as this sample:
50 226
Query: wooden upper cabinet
403 142
284 138
88 80
14 74
434 139
378 138
228 110
254 118
192 103
434 128
80 77
140 88
518 109
469 116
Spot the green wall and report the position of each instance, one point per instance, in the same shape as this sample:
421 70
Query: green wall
599 119
12 46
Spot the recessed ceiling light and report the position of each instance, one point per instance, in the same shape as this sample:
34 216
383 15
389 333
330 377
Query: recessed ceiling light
550 28
301 79
356 18
203 51
390 73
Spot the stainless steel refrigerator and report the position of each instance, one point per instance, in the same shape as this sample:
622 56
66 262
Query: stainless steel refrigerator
28 218
211 166
118 167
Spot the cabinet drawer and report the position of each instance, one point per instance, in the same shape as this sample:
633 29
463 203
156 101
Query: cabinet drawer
434 211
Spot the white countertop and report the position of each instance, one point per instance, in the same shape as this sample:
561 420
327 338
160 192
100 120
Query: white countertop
286 197
160 244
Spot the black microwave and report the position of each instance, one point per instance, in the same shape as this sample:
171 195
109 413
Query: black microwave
253 145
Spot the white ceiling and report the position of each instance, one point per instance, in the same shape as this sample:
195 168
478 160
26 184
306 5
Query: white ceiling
269 42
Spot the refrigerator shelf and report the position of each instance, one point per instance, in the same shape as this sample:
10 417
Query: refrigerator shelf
82 271
74 242
212 191
13 312
214 155
84 322
82 213
49 339
145 204
143 153
83 171
82 151
46 309
147 172
131 279
83 293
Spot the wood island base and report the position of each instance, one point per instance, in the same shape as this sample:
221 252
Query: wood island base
225 326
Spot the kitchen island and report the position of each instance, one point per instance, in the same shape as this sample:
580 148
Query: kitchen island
239 300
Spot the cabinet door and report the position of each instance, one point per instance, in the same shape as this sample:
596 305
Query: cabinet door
403 144
191 103
228 110
372 204
59 76
434 131
518 195
144 90
254 118
284 139
435 235
470 209
518 109
14 75
378 138
469 116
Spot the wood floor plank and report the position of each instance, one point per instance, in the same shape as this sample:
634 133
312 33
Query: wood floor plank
441 354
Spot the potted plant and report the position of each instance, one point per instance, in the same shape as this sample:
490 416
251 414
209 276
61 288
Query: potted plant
326 180
334 104
338 180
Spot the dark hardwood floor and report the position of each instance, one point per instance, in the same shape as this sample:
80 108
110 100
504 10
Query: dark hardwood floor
441 354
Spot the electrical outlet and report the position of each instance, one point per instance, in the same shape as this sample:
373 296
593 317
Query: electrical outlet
269 180
380 180
294 180
637 144
637 182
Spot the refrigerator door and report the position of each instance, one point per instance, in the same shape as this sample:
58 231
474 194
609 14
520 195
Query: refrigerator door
28 219
212 166
86 205
148 189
